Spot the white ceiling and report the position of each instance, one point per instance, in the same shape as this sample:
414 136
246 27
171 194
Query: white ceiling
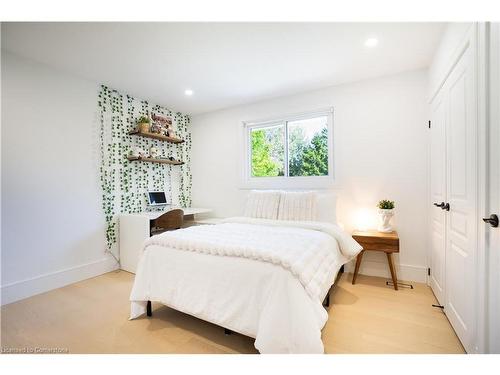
225 64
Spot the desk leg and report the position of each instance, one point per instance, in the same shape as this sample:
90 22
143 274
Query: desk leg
356 269
393 271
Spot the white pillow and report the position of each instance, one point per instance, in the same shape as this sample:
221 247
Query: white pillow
297 206
263 204
326 204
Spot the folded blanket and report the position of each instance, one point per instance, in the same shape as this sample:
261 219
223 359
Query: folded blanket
306 249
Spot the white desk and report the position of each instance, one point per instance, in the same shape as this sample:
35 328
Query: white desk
152 215
135 229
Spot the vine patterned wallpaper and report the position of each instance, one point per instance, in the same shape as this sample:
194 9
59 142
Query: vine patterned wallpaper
125 183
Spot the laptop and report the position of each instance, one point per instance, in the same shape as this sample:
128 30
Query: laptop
157 198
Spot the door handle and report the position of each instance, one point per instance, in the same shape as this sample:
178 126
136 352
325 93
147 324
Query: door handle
492 220
443 206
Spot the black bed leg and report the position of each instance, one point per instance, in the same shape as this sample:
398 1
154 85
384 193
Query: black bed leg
326 302
227 331
342 269
149 312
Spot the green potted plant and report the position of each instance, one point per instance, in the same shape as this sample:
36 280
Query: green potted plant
386 212
143 124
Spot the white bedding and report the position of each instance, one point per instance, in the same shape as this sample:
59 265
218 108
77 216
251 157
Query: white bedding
262 278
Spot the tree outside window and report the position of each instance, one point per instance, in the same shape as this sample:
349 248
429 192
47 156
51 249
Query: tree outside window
299 145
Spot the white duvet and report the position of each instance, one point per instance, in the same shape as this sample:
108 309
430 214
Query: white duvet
262 278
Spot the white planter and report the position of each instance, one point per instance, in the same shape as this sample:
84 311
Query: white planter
385 219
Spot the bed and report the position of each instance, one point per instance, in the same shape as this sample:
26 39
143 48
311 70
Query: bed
262 275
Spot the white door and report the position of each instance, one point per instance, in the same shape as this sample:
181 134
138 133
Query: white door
461 181
493 238
438 196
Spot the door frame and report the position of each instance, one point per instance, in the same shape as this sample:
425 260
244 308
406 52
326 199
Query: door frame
493 239
483 73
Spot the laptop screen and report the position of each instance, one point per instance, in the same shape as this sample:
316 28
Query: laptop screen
157 198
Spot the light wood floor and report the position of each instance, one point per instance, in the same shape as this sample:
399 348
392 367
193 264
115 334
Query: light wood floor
92 317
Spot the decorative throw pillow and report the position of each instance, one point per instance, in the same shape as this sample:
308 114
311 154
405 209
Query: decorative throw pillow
297 206
263 204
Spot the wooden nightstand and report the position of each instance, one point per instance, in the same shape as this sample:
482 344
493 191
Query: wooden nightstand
377 241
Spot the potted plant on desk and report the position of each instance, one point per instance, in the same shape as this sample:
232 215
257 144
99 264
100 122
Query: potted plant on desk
386 212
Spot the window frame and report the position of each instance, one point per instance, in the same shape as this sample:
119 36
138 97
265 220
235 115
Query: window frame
297 182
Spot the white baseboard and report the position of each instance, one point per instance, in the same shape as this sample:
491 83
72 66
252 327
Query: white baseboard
404 272
43 283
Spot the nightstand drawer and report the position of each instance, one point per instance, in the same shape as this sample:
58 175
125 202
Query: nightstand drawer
388 242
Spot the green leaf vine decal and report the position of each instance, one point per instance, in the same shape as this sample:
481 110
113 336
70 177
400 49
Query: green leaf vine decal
124 184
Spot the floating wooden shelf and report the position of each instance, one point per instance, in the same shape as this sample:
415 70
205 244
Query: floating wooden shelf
156 136
153 160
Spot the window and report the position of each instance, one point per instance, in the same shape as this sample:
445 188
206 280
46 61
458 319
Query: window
290 150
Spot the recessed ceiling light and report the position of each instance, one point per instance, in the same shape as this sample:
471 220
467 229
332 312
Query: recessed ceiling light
188 92
371 42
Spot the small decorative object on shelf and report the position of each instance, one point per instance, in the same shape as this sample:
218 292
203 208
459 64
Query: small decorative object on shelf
137 152
153 152
386 212
171 133
143 124
163 124
156 129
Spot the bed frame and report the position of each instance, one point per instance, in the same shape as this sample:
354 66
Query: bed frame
326 301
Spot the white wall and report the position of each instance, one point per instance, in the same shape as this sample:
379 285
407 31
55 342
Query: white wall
381 137
52 221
